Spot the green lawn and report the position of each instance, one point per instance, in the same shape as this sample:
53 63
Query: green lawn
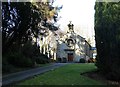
66 75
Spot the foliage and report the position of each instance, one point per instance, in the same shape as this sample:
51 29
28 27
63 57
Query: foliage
64 60
19 60
59 59
23 20
30 50
25 56
91 60
107 36
6 67
16 21
42 59
82 60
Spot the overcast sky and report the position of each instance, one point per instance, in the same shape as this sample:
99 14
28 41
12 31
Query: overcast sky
81 13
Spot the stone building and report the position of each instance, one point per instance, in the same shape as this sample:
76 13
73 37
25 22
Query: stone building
71 47
88 50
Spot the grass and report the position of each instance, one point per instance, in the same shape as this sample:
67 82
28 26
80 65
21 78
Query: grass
67 75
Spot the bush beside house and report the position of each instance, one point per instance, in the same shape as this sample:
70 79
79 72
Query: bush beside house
26 56
82 60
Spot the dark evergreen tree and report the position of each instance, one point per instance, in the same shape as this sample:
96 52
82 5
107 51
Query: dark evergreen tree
107 36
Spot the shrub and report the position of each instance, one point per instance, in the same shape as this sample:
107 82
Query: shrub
30 50
42 59
82 60
17 59
52 60
90 60
6 67
64 60
59 59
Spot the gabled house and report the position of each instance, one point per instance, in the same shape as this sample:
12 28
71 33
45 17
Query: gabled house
71 47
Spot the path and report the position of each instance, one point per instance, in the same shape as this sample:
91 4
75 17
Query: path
11 78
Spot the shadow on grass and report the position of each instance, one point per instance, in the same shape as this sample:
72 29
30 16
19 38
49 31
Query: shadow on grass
96 75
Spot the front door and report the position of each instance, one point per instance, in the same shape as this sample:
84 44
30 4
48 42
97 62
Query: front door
70 56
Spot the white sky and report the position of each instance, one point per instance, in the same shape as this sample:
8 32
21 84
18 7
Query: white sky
81 13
